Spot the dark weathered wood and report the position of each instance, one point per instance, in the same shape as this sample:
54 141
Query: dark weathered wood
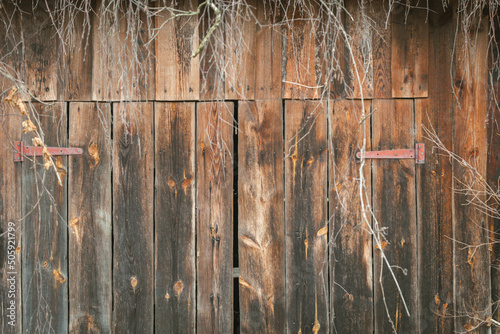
240 34
77 59
434 180
472 264
175 278
300 78
493 175
382 41
41 51
350 238
394 204
45 233
123 65
177 72
89 215
212 58
306 233
261 227
359 58
10 224
214 235
409 52
133 162
269 40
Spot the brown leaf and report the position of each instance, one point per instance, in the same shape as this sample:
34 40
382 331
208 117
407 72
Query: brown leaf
468 327
381 245
37 141
28 126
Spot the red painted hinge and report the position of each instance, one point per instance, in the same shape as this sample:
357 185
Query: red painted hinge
29 151
418 154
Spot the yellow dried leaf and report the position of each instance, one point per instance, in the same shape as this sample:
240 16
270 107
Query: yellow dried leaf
381 245
468 327
48 164
37 141
12 92
22 107
28 126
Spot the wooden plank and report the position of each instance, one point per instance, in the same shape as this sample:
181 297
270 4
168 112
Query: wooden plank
394 203
41 49
350 237
306 217
177 72
382 52
472 264
11 50
359 79
89 212
409 52
300 80
77 61
175 267
10 223
133 161
214 236
261 228
45 234
240 34
434 181
493 173
123 65
268 45
212 57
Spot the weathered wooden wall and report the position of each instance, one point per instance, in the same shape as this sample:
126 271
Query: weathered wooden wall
192 176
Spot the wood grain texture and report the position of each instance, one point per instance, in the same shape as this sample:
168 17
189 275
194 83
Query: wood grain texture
177 72
89 219
77 59
10 224
212 58
41 51
214 239
394 203
382 41
175 266
409 53
493 175
268 46
306 217
472 264
434 181
359 57
133 162
350 240
45 236
261 227
11 51
241 52
299 72
123 65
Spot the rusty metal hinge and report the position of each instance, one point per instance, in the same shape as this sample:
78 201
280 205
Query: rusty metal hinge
30 151
418 154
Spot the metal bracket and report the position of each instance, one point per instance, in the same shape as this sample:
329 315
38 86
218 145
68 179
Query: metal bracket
29 151
418 154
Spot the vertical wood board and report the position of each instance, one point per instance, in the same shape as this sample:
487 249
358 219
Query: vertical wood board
89 219
133 161
175 266
306 233
261 223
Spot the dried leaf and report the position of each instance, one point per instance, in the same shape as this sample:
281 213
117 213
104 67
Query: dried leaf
381 245
22 107
12 92
37 141
48 164
28 126
468 327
